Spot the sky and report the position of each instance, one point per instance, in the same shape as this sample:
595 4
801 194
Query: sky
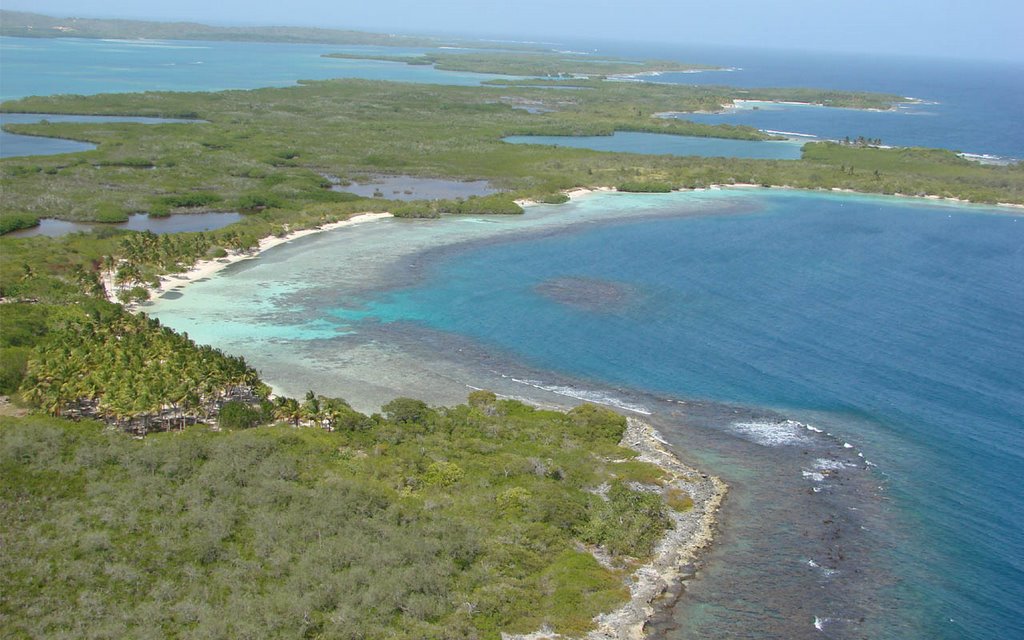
982 29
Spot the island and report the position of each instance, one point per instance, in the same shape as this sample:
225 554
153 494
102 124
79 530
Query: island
218 508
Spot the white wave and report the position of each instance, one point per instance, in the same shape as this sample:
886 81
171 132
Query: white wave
819 623
790 133
814 429
587 395
772 434
847 445
814 475
824 570
824 464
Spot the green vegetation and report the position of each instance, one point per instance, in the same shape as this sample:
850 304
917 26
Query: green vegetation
533 64
636 186
98 360
267 150
421 523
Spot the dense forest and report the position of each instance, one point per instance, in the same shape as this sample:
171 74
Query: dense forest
413 523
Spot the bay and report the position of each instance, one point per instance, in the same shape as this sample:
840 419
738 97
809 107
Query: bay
742 323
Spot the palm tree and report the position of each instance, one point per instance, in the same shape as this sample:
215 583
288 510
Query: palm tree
287 409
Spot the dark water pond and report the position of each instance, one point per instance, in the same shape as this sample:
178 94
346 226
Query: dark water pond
138 222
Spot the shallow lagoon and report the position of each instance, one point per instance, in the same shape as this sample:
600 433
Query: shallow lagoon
665 144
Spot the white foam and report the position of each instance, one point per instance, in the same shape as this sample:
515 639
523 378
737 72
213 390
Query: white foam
814 475
587 395
819 623
790 133
828 573
847 445
824 464
772 434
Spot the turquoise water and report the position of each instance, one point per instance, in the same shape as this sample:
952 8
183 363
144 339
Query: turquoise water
659 144
46 66
893 325
739 322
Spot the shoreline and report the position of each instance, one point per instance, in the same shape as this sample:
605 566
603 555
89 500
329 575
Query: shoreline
579 192
657 585
205 268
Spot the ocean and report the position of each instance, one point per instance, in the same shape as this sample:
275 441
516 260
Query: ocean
850 365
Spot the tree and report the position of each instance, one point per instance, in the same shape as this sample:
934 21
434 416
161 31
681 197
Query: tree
406 411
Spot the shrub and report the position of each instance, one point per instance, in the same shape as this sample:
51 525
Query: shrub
190 200
406 410
629 522
443 474
13 361
238 415
17 221
639 186
135 294
258 201
678 499
554 198
108 212
593 422
498 203
513 502
482 399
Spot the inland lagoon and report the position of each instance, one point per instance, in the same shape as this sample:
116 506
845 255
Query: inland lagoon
835 358
180 223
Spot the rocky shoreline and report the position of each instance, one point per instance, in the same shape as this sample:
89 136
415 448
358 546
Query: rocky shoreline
656 585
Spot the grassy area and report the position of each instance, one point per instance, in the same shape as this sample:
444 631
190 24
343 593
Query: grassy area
429 523
534 64
33 25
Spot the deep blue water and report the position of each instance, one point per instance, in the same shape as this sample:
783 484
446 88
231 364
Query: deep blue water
908 316
975 106
664 144
896 326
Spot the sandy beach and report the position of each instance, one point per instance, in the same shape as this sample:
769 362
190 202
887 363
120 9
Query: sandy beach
206 268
